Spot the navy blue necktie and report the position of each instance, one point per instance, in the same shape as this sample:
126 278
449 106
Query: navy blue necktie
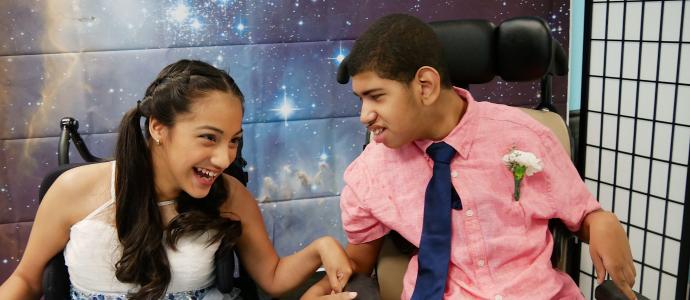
434 248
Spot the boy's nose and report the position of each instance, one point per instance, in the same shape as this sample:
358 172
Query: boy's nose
367 117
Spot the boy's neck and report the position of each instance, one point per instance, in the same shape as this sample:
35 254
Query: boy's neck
446 114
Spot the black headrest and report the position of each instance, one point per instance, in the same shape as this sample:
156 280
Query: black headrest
470 44
519 49
343 75
524 49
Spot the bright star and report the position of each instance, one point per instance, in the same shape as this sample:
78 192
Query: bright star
240 27
340 56
180 12
286 109
196 24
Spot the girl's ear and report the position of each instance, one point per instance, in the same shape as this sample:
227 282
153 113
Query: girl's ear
157 130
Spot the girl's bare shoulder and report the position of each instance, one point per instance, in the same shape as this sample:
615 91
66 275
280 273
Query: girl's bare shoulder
81 190
239 197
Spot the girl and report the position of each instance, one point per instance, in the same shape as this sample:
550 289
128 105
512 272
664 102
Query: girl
147 225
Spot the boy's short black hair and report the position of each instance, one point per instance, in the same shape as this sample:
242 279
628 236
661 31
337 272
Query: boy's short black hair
395 47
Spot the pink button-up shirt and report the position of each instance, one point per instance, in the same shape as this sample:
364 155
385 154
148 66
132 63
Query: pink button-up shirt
501 248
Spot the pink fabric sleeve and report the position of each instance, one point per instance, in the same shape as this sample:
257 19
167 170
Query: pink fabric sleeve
568 195
358 222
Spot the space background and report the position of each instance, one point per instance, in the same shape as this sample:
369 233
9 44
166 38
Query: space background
92 60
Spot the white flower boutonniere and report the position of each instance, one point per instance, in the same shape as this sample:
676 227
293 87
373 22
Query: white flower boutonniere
521 164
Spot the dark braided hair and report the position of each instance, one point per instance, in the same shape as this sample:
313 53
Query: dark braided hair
139 225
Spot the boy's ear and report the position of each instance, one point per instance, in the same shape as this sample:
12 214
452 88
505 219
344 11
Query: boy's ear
157 130
428 81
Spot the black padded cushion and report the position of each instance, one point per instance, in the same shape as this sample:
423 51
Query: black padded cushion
343 75
366 287
468 49
524 49
609 291
559 66
475 51
55 277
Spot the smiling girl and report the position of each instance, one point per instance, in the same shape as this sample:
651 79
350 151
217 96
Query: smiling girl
148 224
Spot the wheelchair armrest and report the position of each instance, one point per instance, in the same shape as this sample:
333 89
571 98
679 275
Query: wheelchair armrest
365 286
226 267
56 279
563 243
225 270
609 291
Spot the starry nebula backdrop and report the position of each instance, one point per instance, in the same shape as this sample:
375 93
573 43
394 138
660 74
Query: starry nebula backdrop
92 60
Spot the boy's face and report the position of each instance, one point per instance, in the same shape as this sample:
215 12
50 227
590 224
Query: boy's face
390 109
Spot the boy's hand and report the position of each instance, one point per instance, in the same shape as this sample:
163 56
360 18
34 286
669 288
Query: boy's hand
332 296
336 262
610 251
319 291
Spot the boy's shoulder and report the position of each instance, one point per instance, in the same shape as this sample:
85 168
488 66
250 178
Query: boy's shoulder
497 116
373 153
377 159
378 153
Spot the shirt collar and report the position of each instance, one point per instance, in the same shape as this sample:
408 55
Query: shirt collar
462 136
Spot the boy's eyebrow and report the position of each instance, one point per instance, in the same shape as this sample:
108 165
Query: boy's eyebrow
239 132
367 92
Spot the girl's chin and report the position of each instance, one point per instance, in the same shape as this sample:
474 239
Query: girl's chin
198 193
199 189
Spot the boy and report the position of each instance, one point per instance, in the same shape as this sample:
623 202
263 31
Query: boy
484 240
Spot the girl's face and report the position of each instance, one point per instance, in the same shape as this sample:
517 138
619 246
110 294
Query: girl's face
193 153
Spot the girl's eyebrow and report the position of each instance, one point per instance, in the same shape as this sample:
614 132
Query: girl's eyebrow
210 128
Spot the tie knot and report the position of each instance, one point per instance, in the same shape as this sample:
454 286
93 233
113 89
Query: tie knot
441 152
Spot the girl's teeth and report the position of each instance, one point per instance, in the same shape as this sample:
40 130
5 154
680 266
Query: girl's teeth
207 172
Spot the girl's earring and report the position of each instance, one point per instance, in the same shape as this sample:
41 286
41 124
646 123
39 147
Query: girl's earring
158 142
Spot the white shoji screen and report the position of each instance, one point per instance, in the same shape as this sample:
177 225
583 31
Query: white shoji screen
636 132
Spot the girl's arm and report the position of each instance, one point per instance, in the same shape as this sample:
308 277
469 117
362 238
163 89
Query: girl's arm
61 205
277 275
363 257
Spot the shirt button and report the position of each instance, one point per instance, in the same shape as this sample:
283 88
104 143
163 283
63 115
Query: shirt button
480 263
454 174
498 297
469 213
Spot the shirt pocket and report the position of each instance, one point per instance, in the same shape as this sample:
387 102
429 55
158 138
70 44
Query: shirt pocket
508 215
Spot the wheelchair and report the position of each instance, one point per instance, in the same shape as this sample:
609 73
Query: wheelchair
228 272
518 50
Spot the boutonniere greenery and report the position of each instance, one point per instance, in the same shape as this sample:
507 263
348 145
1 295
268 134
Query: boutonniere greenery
521 164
